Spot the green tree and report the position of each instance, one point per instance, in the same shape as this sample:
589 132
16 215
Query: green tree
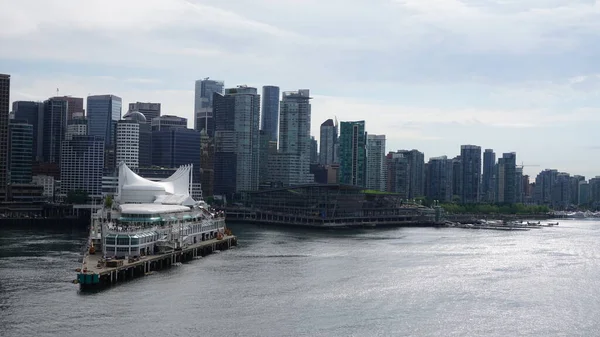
108 201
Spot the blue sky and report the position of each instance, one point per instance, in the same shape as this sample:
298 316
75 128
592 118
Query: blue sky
512 75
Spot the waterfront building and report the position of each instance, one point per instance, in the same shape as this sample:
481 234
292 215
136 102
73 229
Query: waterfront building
575 180
487 179
168 122
352 149
149 110
376 163
544 184
471 173
110 184
76 127
237 146
203 104
4 111
519 185
74 106
439 179
594 192
145 137
33 113
328 139
314 151
53 129
127 143
268 148
20 147
456 178
398 173
103 113
48 183
207 163
82 163
270 111
416 182
506 179
291 165
561 191
584 193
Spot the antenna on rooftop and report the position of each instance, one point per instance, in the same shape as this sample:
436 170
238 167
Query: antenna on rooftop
57 91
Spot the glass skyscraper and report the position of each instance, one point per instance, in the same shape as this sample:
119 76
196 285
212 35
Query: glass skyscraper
353 157
53 129
103 113
203 104
470 156
270 110
32 112
20 151
487 180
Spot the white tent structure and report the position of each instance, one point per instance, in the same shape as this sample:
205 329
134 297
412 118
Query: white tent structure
174 190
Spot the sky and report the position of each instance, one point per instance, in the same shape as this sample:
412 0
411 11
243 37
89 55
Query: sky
511 75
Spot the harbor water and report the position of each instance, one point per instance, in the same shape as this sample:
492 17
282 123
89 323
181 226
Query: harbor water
295 282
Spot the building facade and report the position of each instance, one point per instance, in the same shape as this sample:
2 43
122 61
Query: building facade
74 106
439 179
328 139
506 179
149 110
398 174
33 113
53 129
487 180
353 157
82 163
416 183
376 163
127 143
203 104
270 111
471 173
20 155
76 127
103 113
167 122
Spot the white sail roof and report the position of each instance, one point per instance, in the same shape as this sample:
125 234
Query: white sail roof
135 189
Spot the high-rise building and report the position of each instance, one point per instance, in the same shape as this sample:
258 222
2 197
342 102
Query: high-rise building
20 147
575 180
81 165
293 168
439 179
268 149
584 193
519 185
207 163
4 111
314 151
544 183
416 184
53 129
127 143
74 106
103 111
76 127
376 168
398 173
270 111
145 137
506 176
456 178
487 181
168 122
33 113
353 161
561 191
149 110
328 139
203 104
237 146
471 173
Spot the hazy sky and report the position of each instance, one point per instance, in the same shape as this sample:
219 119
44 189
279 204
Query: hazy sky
512 75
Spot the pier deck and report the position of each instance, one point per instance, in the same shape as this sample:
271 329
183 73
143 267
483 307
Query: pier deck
95 274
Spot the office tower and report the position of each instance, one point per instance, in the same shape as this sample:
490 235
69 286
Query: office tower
456 178
471 173
76 127
74 106
314 151
506 176
519 186
207 163
149 110
4 111
416 184
53 129
575 180
103 112
398 173
168 122
81 163
376 168
237 146
487 181
328 139
145 137
561 191
203 104
264 152
20 147
352 156
270 111
583 197
33 113
544 183
127 143
439 179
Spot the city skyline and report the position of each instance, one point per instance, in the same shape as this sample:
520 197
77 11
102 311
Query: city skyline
507 87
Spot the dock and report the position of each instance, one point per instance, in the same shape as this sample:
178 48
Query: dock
95 272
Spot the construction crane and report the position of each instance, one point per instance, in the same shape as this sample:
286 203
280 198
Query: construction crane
531 165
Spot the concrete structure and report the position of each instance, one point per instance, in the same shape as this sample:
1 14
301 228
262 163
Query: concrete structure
584 193
398 174
48 183
544 184
207 163
439 179
74 106
237 146
270 111
456 178
4 111
127 143
416 182
561 191
168 122
471 173
33 113
20 152
353 157
76 127
487 181
328 139
314 151
82 162
103 113
506 179
203 104
376 163
145 137
53 129
149 110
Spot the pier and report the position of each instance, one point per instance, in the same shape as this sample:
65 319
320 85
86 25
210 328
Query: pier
98 273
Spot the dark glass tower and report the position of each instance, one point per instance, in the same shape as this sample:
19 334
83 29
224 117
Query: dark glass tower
270 111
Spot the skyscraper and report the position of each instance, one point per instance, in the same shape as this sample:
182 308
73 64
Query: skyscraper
328 140
487 181
81 165
33 113
167 122
74 106
203 104
20 147
456 177
376 168
471 173
145 137
127 148
270 110
314 150
103 113
506 176
439 179
352 149
544 183
149 110
416 183
398 173
4 111
53 129
237 147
